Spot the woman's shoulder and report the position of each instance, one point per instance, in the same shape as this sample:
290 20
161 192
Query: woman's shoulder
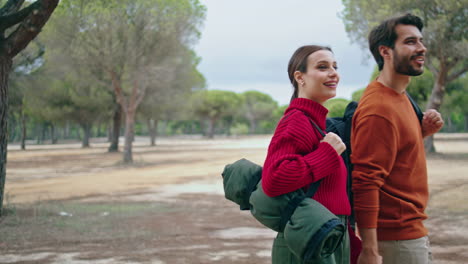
295 126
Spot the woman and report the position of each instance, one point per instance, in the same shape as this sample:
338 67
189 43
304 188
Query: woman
298 155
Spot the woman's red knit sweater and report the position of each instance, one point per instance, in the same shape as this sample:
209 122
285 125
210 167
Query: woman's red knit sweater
296 158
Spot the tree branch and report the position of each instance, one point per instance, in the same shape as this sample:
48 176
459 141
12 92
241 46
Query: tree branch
140 97
10 7
452 63
118 91
15 18
456 74
431 67
30 59
30 27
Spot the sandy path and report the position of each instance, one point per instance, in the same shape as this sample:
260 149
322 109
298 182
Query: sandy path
70 172
186 173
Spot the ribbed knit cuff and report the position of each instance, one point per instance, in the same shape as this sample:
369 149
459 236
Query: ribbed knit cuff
323 161
366 219
366 207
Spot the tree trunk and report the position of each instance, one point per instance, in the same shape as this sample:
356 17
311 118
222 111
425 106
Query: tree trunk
253 126
5 67
43 133
66 133
153 131
117 123
228 126
211 127
449 124
129 134
12 123
98 129
86 135
466 123
53 136
435 101
23 130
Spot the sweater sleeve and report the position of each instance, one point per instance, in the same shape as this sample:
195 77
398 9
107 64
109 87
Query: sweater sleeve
374 149
285 170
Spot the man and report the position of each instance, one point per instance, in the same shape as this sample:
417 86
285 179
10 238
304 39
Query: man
390 176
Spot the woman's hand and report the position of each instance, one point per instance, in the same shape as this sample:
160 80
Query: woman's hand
335 141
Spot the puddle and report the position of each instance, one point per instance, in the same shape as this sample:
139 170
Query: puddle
10 258
168 191
188 248
244 233
68 258
264 253
230 254
204 187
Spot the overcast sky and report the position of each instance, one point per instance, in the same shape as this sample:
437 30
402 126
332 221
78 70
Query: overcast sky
246 44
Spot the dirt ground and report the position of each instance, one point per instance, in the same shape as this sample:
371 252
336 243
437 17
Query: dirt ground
66 204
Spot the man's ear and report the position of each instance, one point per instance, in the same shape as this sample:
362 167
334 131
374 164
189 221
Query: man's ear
384 51
298 77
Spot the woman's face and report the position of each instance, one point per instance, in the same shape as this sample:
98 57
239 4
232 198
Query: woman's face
320 80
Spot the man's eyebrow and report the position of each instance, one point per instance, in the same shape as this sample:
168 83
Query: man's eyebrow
413 37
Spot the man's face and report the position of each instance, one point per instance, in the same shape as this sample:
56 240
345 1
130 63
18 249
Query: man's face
409 51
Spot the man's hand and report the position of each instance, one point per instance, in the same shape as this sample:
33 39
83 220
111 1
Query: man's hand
432 122
370 250
369 256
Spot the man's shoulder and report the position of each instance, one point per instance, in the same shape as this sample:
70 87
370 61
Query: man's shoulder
375 102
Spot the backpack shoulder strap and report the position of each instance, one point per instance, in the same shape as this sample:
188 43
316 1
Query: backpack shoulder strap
416 108
314 186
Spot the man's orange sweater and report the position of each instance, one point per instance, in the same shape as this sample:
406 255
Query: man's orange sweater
389 177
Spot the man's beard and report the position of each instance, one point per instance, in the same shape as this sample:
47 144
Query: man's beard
403 65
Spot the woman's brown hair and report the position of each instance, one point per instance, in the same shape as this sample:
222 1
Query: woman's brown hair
298 62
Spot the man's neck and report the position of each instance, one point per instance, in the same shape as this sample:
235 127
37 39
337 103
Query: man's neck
394 80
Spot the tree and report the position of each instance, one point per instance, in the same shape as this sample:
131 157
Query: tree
212 105
445 36
23 69
455 112
17 28
167 99
257 106
58 100
132 42
336 107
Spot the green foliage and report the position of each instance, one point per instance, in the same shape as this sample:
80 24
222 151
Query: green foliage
455 111
257 106
240 129
214 104
445 36
420 88
356 96
445 22
336 107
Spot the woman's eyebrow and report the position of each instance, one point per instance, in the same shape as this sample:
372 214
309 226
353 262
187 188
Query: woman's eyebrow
325 61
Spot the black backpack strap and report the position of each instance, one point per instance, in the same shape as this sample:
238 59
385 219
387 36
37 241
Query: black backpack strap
416 108
314 186
316 126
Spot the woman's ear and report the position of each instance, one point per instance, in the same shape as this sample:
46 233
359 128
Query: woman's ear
298 77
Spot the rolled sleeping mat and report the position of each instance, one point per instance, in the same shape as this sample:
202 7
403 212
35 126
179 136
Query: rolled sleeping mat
310 230
240 180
